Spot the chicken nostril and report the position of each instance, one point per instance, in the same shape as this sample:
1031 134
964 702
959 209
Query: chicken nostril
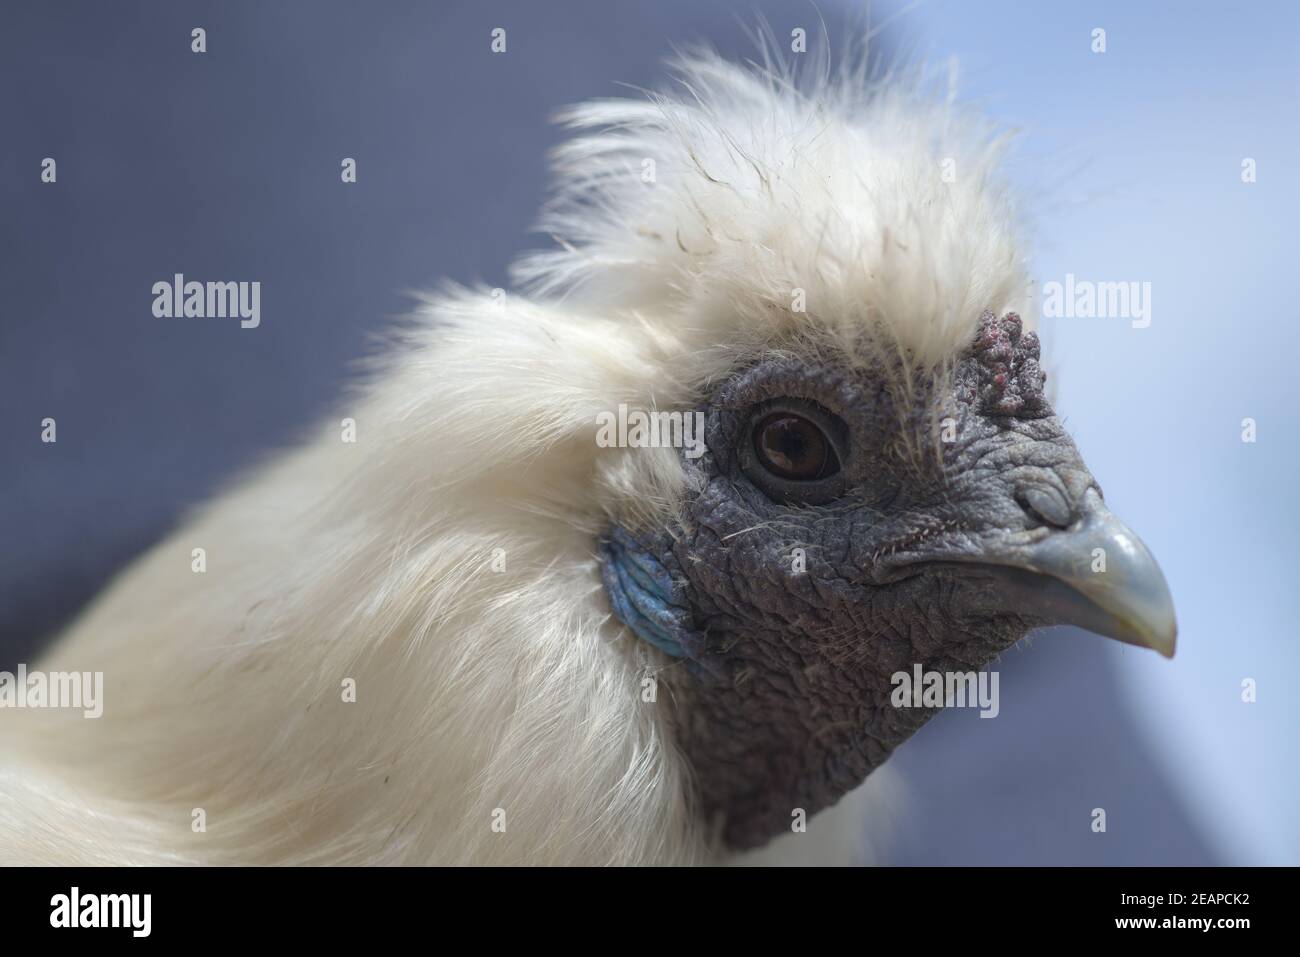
1047 504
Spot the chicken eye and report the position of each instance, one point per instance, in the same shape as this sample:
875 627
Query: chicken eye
794 448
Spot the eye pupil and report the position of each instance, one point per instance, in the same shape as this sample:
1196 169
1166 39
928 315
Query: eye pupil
791 447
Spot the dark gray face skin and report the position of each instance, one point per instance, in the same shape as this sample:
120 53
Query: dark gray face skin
924 548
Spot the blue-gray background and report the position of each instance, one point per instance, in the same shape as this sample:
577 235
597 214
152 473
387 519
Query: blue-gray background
226 165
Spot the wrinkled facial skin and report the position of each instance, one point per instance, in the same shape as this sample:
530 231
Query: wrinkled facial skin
785 694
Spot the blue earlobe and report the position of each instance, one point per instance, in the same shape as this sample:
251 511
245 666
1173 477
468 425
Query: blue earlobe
643 595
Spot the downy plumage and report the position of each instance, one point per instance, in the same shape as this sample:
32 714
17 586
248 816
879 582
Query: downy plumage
447 562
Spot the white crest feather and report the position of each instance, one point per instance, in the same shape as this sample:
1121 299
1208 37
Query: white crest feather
878 199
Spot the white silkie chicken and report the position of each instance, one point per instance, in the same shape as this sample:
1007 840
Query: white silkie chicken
484 633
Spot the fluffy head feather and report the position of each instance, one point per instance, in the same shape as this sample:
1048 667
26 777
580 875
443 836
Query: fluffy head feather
707 209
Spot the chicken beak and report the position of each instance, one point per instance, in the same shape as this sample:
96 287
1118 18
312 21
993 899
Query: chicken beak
1096 574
